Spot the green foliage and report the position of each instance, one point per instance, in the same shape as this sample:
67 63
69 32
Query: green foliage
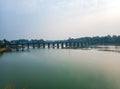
1 44
99 40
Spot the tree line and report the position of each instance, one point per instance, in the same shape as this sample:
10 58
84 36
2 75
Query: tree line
98 40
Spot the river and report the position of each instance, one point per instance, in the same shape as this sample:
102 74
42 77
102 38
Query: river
60 69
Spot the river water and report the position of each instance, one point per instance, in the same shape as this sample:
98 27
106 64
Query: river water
60 69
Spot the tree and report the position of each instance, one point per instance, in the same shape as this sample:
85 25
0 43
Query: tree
1 44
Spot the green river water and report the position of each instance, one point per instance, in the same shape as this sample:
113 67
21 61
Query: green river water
60 69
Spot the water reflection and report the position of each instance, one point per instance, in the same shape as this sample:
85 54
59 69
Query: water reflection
60 69
109 48
1 54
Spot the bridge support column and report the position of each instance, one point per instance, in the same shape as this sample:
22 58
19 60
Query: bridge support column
38 45
16 47
82 44
48 45
62 45
70 44
28 46
74 44
87 44
66 44
43 45
33 45
57 45
10 45
22 47
53 45
78 44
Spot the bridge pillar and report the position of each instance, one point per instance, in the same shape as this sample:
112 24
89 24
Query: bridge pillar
87 44
62 45
57 45
66 44
74 44
70 44
53 45
78 44
10 46
43 45
27 45
16 47
33 45
22 45
82 44
38 45
48 45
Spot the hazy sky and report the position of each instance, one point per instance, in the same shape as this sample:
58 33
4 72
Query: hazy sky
58 19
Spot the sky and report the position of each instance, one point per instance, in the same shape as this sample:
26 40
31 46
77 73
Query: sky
58 19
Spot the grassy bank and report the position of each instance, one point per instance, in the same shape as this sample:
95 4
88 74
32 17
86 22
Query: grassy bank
5 50
2 50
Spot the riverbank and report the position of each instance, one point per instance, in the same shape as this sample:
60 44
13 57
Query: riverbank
4 50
